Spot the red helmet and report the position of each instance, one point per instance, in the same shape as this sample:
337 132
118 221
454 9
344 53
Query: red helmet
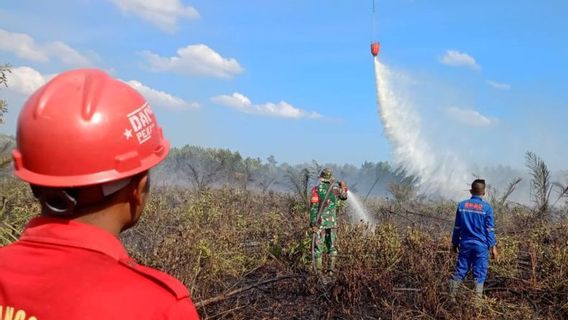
83 128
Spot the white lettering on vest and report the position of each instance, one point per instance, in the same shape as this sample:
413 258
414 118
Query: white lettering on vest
11 313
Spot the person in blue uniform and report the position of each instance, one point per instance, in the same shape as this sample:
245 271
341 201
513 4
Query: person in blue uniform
473 238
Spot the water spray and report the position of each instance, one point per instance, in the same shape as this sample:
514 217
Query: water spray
439 174
358 210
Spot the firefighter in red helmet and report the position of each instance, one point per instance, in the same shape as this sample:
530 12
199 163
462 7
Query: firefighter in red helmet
85 143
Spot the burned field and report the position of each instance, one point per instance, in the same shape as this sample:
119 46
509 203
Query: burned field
246 255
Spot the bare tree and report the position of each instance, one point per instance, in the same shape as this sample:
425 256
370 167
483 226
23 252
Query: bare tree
380 170
562 192
267 174
4 70
315 169
499 201
6 146
249 168
203 166
299 181
402 192
541 184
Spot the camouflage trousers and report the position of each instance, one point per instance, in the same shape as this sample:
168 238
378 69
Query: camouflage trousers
325 240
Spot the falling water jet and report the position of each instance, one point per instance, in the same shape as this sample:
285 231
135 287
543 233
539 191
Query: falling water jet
438 173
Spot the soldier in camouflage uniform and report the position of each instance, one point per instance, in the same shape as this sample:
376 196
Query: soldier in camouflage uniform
325 228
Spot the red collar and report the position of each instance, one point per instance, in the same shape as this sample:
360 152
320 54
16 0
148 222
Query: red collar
74 234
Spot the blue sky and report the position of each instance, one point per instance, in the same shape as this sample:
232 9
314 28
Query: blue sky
295 78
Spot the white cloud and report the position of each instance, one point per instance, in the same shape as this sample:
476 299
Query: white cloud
455 58
161 98
25 47
162 13
26 80
498 85
67 55
21 45
196 59
281 109
470 117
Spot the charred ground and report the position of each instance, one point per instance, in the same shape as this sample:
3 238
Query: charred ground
245 255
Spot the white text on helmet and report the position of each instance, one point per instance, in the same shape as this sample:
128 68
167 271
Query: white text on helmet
142 122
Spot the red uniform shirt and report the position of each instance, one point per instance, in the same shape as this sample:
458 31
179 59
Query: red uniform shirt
63 269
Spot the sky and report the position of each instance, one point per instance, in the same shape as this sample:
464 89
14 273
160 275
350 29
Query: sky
295 79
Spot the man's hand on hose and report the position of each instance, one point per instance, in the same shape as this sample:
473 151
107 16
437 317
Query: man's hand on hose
343 193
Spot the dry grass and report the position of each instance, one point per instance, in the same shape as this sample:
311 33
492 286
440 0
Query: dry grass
216 241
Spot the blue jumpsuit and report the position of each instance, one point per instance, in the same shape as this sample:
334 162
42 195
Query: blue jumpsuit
474 234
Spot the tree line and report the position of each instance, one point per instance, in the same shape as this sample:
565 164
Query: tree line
202 168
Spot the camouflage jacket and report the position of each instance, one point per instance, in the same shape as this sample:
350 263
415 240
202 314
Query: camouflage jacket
328 218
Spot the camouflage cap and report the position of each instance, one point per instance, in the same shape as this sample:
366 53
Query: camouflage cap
326 174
